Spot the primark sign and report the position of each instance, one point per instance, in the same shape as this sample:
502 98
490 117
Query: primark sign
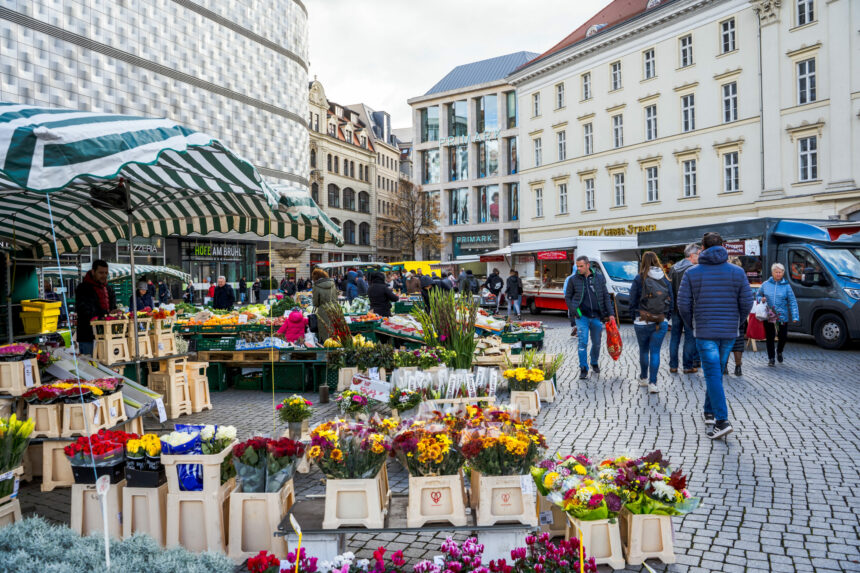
473 138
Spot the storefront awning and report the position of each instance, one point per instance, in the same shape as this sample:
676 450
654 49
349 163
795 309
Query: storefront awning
118 271
562 244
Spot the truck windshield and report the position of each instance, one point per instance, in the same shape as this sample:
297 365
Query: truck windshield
844 262
621 270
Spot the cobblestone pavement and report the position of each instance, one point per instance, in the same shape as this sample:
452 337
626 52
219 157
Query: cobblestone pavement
779 494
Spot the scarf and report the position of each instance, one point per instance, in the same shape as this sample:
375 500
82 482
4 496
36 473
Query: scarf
101 291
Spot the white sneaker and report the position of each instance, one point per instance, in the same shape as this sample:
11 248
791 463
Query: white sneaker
652 389
643 382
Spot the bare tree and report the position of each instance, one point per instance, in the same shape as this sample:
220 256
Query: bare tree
418 214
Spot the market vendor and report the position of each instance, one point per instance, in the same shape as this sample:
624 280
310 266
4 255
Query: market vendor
380 294
94 299
223 297
144 298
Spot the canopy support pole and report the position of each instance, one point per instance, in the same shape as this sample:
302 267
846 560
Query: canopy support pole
133 279
7 258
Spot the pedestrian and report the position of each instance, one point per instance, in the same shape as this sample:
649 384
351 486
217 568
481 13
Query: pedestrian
94 299
413 284
714 299
588 299
426 285
777 293
494 284
223 297
351 286
291 287
452 281
151 290
571 316
361 284
258 289
514 293
210 293
380 294
474 284
651 305
189 293
690 355
243 290
284 284
163 292
741 340
324 291
144 299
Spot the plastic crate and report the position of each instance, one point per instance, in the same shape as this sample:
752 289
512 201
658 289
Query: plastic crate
217 328
252 381
402 307
217 375
331 378
362 327
288 377
531 336
36 322
185 328
224 344
46 307
509 338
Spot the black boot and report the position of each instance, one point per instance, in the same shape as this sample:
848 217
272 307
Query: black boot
583 373
738 371
771 362
779 357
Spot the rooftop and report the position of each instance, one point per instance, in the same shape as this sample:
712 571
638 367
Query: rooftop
475 73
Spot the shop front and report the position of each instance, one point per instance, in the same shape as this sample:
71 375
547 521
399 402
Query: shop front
467 249
210 259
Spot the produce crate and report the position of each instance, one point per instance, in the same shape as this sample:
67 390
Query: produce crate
46 307
287 377
185 328
331 378
402 307
223 344
364 328
218 328
36 322
510 338
253 381
217 375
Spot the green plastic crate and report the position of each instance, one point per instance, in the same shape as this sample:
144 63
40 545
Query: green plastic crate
401 307
331 378
508 338
253 381
362 327
218 328
217 375
185 328
223 344
288 377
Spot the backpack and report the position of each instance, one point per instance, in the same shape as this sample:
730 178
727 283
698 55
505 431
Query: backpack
654 301
473 285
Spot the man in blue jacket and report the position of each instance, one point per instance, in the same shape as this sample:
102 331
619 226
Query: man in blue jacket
588 300
351 285
714 299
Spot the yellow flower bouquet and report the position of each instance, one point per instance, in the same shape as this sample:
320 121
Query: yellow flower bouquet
523 379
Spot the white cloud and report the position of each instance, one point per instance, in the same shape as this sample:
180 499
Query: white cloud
383 52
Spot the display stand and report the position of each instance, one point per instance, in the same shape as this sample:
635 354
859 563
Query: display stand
87 510
168 377
144 341
16 378
46 419
601 539
10 512
350 502
198 383
253 518
647 537
552 518
111 341
162 338
526 402
436 499
546 391
505 499
144 510
78 418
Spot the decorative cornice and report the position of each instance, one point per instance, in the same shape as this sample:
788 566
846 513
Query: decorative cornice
686 87
803 51
767 10
728 74
648 98
616 108
586 117
559 125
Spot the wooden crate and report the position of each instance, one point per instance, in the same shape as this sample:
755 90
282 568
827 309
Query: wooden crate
111 341
47 419
547 391
134 426
601 539
18 474
33 461
87 510
10 512
526 402
647 537
196 368
163 345
144 341
115 409
344 378
504 499
199 392
440 499
253 519
144 510
356 502
56 469
14 377
552 518
174 388
73 418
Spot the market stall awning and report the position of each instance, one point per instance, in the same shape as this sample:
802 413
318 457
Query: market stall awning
98 168
117 271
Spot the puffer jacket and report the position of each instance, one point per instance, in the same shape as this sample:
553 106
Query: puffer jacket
575 292
325 290
715 297
351 286
780 296
380 295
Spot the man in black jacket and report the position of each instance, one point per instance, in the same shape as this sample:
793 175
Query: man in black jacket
690 355
588 300
380 294
224 297
94 299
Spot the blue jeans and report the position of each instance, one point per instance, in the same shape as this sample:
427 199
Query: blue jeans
589 328
514 303
650 337
690 353
715 353
86 348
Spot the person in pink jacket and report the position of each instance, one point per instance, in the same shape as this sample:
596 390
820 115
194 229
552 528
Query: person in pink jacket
293 329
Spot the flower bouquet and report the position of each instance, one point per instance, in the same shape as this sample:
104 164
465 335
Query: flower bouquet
103 450
249 459
498 444
43 395
428 450
214 440
650 486
549 474
294 409
15 352
144 454
352 403
424 358
524 379
541 554
348 450
14 439
180 442
264 562
281 458
402 400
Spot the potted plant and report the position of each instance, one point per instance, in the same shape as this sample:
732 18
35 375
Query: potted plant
294 411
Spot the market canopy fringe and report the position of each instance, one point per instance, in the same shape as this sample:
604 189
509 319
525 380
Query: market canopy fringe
179 182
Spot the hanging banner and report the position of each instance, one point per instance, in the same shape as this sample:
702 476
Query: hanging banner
492 258
552 256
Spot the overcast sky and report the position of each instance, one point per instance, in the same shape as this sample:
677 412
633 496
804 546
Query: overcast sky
383 52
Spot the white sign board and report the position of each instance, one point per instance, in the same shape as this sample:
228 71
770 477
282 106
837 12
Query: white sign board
373 389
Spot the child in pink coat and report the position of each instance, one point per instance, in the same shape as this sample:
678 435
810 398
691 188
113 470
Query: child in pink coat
294 328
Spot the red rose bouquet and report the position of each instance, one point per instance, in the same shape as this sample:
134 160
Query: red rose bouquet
249 459
105 448
281 458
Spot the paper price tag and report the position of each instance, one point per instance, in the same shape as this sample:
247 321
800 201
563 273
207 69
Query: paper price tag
471 388
15 489
161 346
103 485
296 527
374 373
162 413
243 319
546 517
113 411
527 484
452 387
97 416
494 381
28 373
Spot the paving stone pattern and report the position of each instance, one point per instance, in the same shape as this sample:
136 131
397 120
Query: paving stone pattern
779 494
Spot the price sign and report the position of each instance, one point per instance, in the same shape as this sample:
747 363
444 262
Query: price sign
162 412
28 373
243 319
374 373
494 381
471 387
546 517
373 389
527 484
453 382
97 416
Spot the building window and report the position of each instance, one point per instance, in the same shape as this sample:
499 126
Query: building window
727 36
364 234
562 199
313 159
488 158
511 109
333 195
589 194
686 50
806 81
649 64
352 169
690 178
336 164
808 158
328 161
651 122
349 199
688 112
459 213
361 171
458 163
731 173
615 68
805 12
538 202
430 162
586 86
364 202
489 204
618 130
487 113
559 96
562 145
652 184
536 104
316 122
538 152
430 123
730 102
618 180
315 193
349 232
512 155
587 139
513 202
457 120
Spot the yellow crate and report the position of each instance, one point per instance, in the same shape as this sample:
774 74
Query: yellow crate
36 322
38 305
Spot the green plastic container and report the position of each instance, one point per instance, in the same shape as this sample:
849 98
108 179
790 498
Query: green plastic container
224 344
217 375
288 377
253 381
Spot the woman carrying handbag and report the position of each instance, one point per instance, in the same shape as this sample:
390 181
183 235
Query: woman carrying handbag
781 308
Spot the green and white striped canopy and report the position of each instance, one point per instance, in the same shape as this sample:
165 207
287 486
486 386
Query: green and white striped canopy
117 271
180 182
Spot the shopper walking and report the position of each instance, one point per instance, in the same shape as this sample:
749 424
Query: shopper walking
514 293
243 290
651 305
257 288
570 316
361 283
223 298
324 291
741 340
777 293
690 355
588 299
494 284
413 284
713 300
351 286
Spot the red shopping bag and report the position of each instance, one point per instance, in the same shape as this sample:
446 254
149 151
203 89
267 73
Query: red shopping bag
755 328
613 339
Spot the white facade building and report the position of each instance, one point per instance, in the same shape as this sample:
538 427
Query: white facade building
690 112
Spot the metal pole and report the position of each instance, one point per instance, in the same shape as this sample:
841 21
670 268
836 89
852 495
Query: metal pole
133 281
9 334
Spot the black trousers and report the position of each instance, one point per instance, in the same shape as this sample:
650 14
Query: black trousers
772 330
